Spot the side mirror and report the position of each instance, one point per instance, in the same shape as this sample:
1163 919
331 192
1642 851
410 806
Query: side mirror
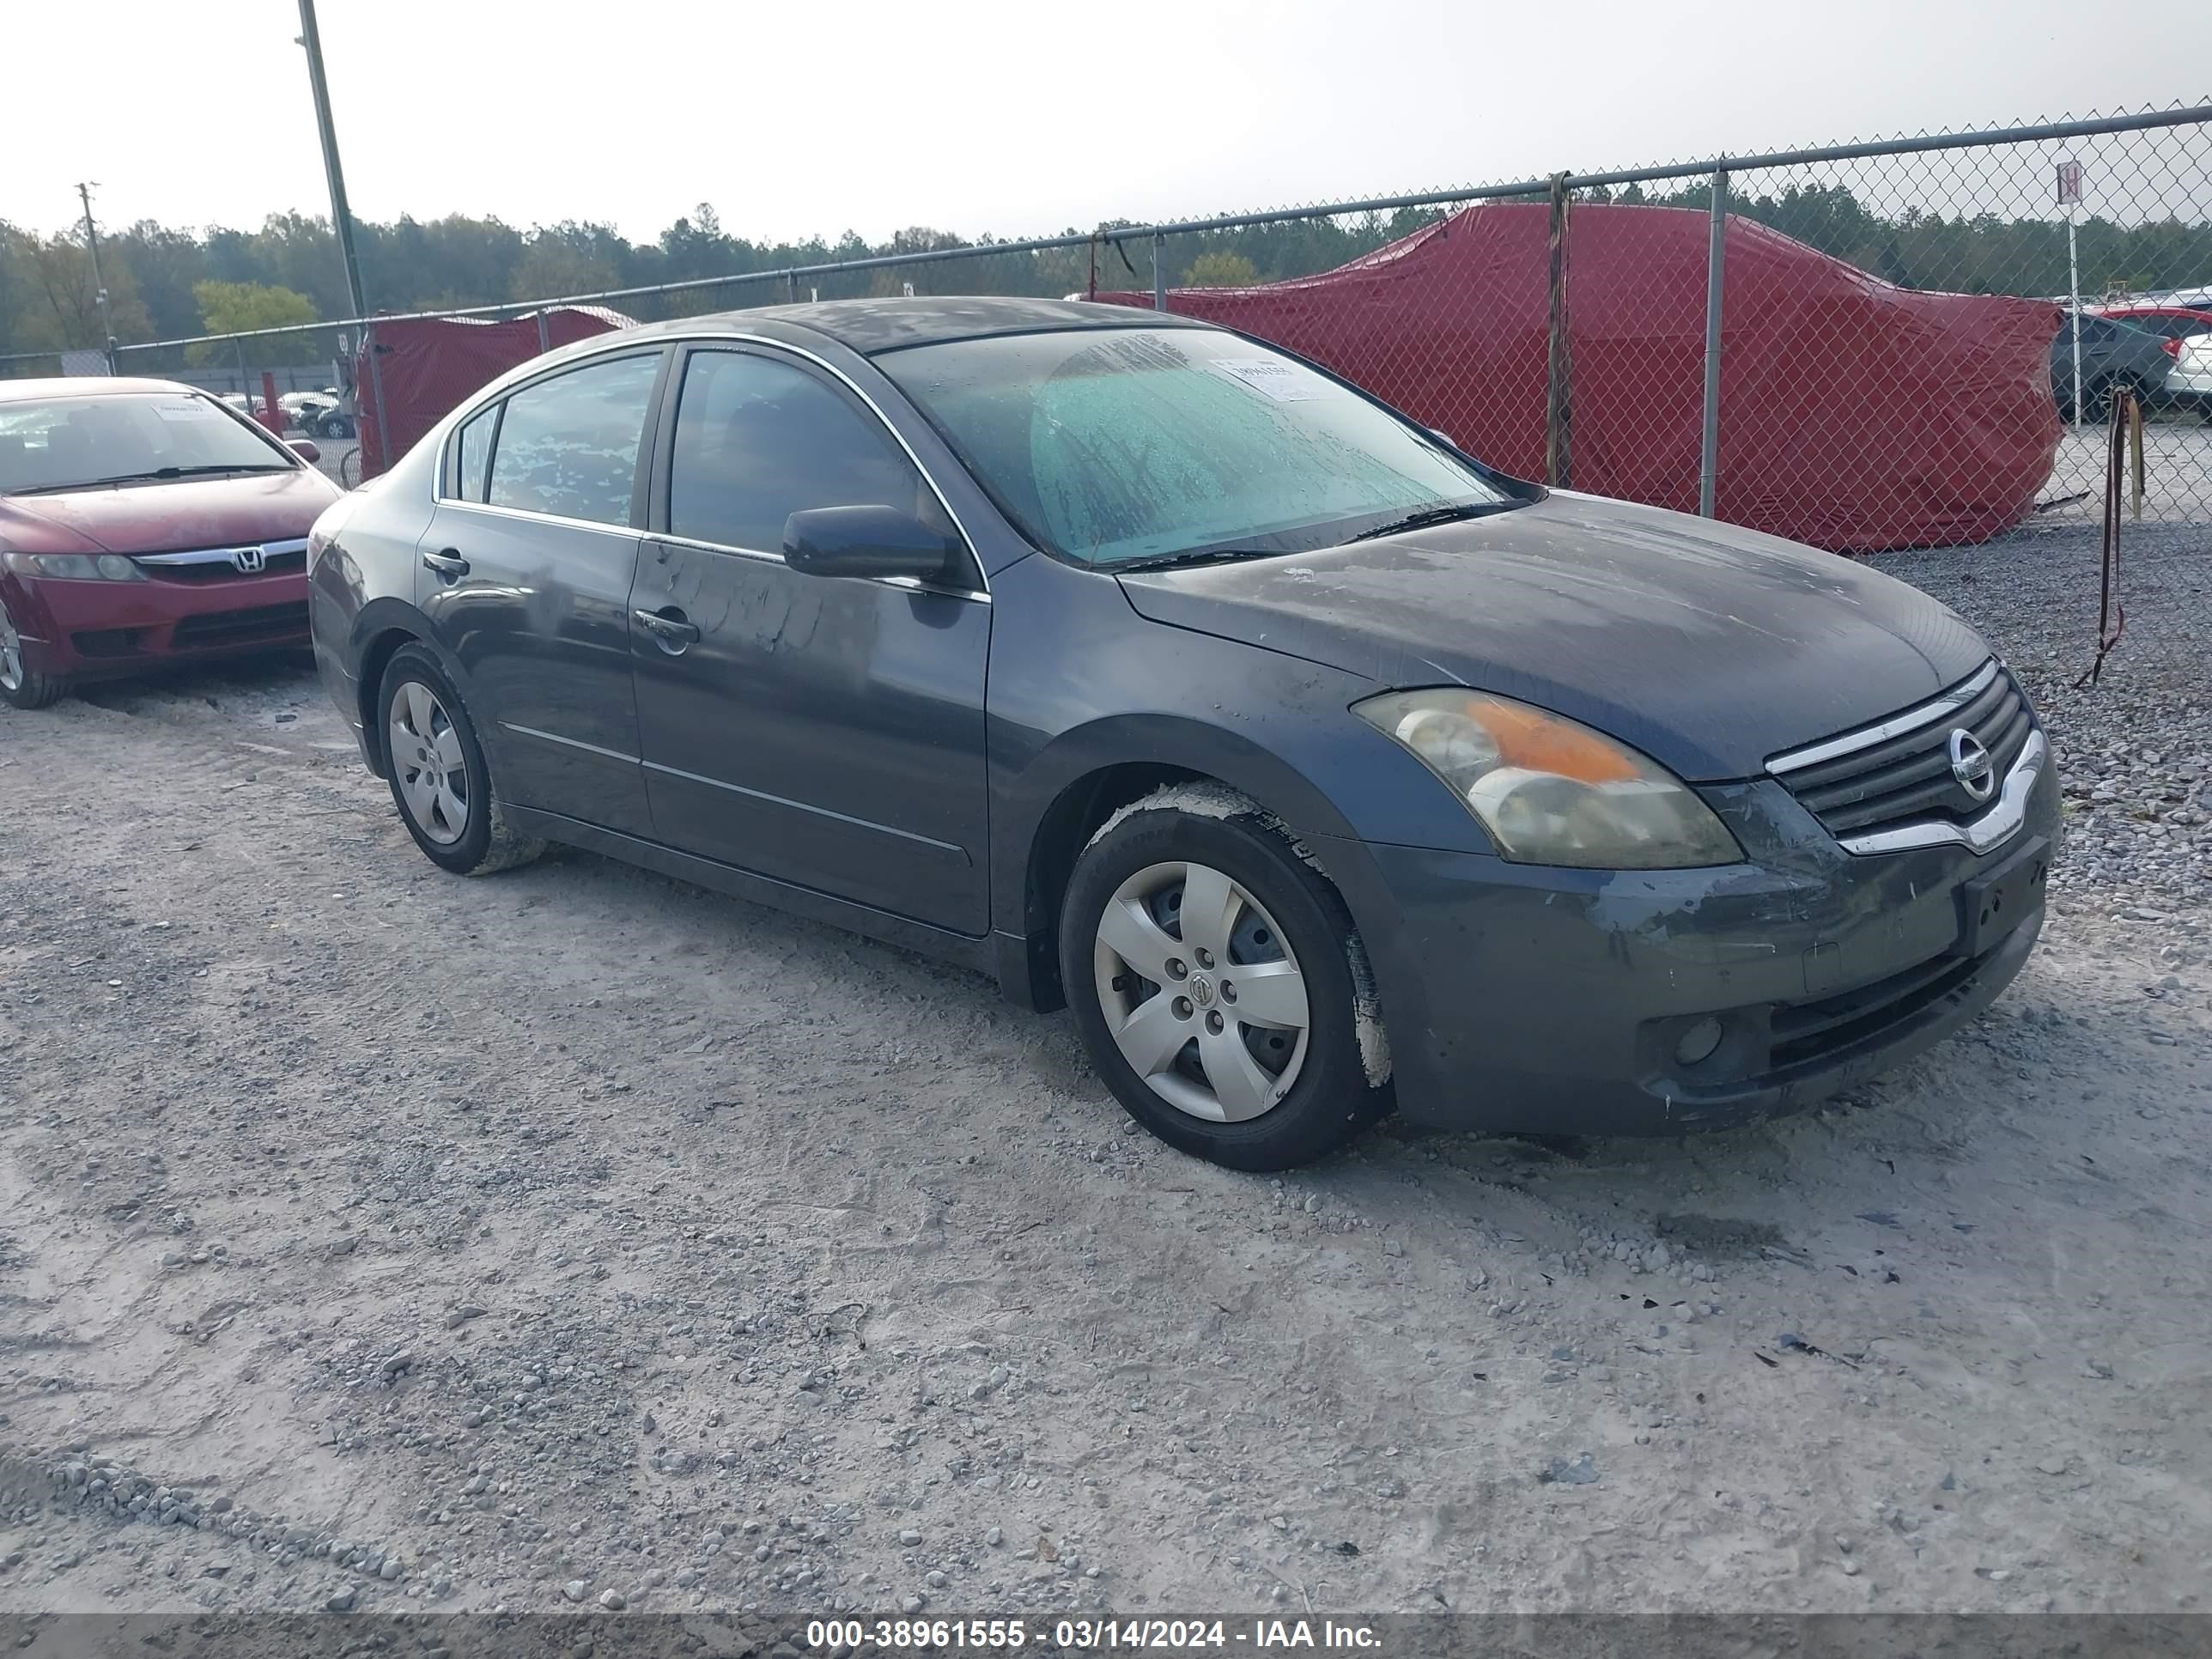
305 449
864 541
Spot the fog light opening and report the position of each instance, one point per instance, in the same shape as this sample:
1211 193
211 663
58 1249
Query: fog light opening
1699 1042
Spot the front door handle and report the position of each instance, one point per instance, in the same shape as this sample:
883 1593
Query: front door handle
449 565
671 630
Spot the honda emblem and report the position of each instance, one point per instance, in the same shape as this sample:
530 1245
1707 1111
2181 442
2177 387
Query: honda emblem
250 560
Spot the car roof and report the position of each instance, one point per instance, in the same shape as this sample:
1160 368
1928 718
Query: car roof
86 386
869 326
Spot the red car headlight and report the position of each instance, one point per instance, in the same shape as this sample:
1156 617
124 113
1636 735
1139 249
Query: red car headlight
73 567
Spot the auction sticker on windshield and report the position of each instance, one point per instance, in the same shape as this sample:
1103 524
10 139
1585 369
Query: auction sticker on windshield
1286 383
185 409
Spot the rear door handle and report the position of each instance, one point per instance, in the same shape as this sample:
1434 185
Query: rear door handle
449 565
671 630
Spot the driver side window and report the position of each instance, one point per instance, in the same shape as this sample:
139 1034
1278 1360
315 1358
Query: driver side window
757 439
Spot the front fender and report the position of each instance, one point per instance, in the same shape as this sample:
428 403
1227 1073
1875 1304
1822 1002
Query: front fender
352 667
1068 761
1080 684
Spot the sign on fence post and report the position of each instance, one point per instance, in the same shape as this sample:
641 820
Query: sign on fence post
2070 197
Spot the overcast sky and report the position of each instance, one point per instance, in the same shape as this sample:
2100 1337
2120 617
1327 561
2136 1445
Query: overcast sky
1015 116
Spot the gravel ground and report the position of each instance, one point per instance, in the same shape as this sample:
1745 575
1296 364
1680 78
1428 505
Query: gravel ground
335 453
2176 472
579 1240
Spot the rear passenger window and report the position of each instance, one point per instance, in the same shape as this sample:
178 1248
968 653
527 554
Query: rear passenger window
757 441
567 446
474 459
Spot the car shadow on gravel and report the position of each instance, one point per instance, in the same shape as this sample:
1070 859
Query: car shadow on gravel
286 676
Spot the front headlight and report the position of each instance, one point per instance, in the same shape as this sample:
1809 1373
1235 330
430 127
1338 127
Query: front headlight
1550 791
75 567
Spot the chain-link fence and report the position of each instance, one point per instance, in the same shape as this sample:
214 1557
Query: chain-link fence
1865 347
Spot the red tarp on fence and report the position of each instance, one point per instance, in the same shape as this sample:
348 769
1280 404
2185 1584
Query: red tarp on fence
1854 415
427 366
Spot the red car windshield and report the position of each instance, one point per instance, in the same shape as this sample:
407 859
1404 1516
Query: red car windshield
63 443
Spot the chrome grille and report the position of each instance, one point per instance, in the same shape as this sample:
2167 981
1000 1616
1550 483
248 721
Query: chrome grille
1898 771
221 564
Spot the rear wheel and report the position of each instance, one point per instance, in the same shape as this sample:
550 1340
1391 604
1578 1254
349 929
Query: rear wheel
1211 973
440 780
2098 395
20 687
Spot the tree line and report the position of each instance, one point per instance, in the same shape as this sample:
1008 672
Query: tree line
166 283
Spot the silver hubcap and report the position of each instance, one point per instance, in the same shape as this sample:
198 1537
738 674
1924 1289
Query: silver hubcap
426 757
1202 992
11 653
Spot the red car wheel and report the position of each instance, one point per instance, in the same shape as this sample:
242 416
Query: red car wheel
20 687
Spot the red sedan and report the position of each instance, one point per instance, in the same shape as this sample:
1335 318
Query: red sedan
2174 323
142 523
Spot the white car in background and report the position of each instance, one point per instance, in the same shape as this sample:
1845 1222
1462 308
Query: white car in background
2189 383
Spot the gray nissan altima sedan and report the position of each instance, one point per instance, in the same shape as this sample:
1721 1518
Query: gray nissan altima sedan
1319 769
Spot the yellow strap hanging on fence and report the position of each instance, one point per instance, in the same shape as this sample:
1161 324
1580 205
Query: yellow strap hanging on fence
2135 432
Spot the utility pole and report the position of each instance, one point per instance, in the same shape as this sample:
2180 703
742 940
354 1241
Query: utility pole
100 285
341 215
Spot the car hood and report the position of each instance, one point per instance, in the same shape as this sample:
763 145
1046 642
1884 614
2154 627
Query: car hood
1705 646
169 518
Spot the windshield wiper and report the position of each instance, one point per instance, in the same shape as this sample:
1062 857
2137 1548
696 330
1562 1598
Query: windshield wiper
1429 515
159 472
1196 555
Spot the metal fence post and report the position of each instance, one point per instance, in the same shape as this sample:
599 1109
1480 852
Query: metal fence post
544 333
1159 276
1558 410
1709 449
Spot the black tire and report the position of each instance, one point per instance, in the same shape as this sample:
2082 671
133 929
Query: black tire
21 687
486 844
1331 1098
34 691
2097 397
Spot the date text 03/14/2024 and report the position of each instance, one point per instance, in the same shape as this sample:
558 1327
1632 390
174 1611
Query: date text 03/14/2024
1084 1635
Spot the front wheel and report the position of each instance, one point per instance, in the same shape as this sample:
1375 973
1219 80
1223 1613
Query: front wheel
1216 981
440 780
20 686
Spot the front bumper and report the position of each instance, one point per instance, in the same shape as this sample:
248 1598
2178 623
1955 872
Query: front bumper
1538 1000
87 629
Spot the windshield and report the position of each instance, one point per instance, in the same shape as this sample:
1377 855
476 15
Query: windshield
1110 446
52 444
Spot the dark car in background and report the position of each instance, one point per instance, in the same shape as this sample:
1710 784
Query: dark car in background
142 523
1317 767
319 414
2116 356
